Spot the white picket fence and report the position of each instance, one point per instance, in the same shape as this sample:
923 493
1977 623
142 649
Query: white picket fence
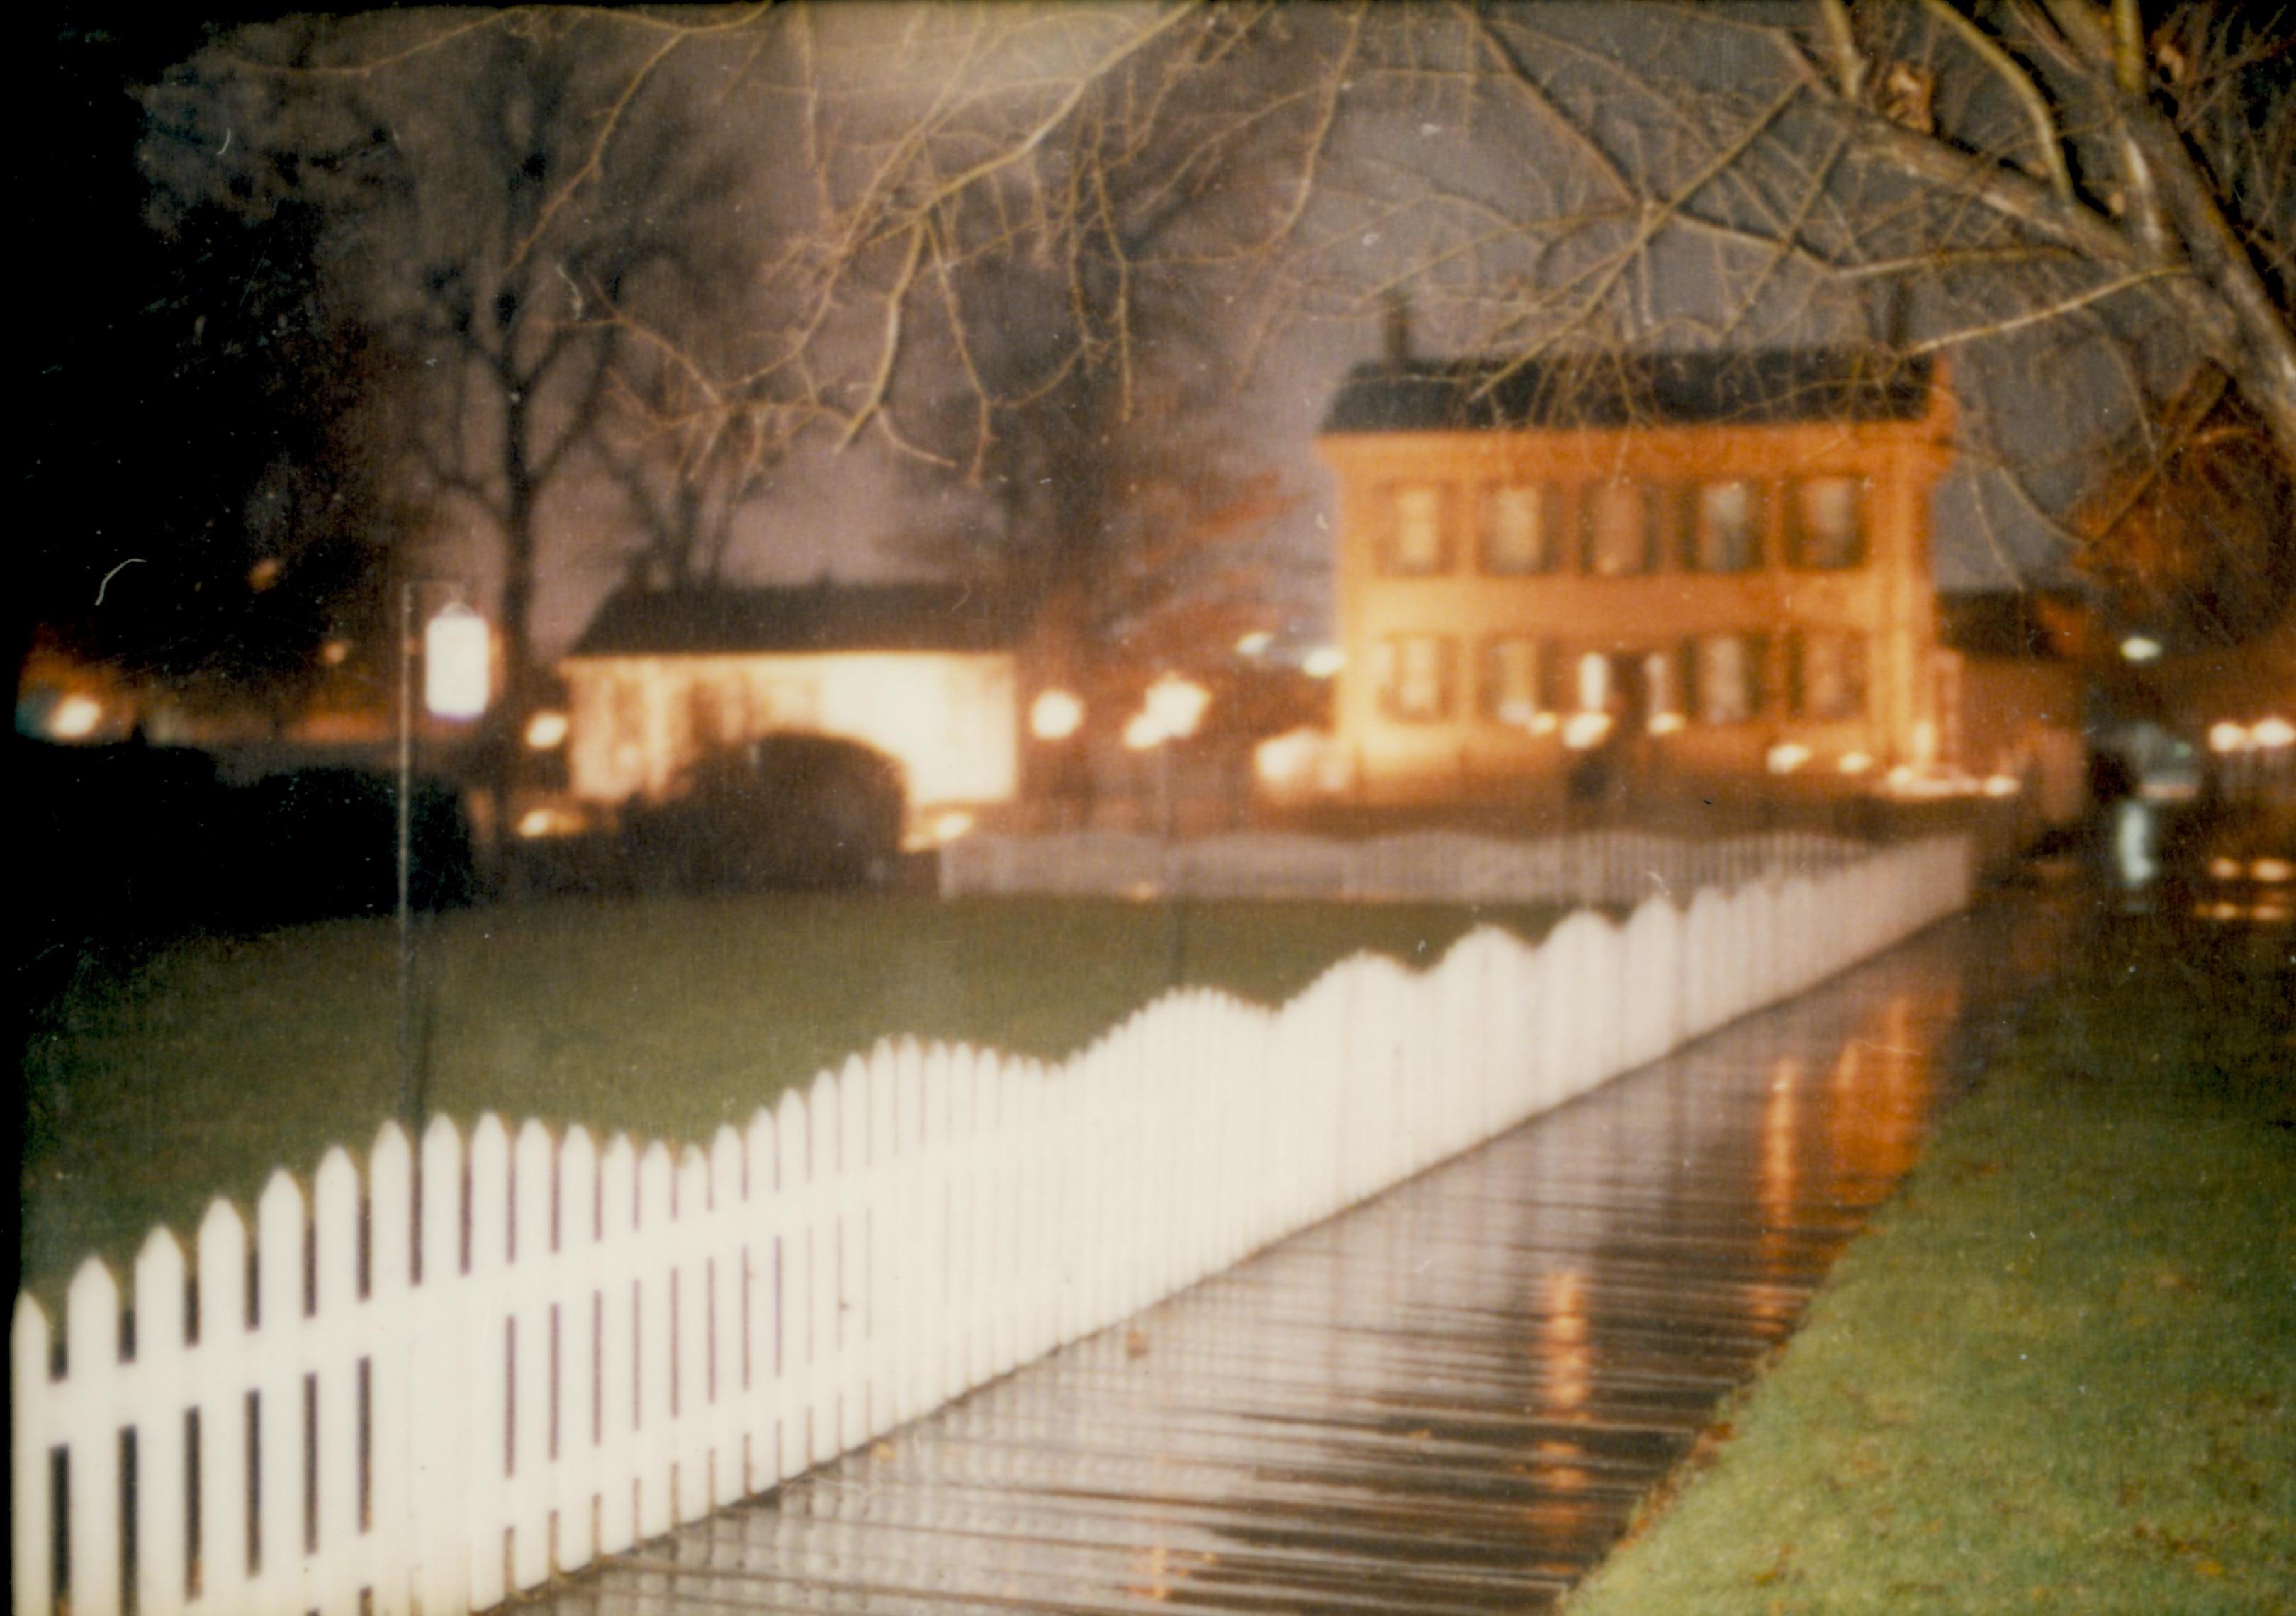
440 1377
1612 866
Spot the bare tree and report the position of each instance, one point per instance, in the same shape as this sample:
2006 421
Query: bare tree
2110 186
508 196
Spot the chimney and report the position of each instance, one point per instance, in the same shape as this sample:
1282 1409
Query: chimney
1395 328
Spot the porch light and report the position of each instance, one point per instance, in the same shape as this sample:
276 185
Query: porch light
1055 715
2002 785
2273 872
1582 730
1255 643
2228 737
1856 763
1786 757
2140 648
2270 734
1324 662
545 730
1665 723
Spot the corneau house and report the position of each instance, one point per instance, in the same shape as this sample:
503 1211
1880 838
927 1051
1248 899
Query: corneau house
1660 570
923 673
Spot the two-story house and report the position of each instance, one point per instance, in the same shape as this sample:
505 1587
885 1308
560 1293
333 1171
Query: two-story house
1687 565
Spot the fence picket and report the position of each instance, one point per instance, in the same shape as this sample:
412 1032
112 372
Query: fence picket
331 1547
162 1393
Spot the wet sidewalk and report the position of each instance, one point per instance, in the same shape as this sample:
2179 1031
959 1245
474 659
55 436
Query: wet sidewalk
1447 1400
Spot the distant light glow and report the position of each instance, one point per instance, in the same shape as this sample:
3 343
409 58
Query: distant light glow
456 653
1665 723
2002 785
546 729
1055 715
1255 643
2132 843
1142 733
263 574
1324 662
2271 914
2228 737
1786 757
2270 734
2224 869
1582 730
75 717
2272 871
1900 777
537 822
2140 648
950 825
1176 706
1545 723
332 651
1856 763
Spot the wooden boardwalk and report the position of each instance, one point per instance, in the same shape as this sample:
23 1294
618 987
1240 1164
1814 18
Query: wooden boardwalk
1446 1401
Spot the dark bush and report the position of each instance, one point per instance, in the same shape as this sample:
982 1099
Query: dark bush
321 842
787 810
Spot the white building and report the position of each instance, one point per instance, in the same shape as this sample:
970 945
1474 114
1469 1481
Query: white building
923 673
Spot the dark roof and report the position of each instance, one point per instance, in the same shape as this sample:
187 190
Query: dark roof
809 617
1765 386
1997 623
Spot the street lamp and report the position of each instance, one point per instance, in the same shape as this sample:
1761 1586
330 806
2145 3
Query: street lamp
1170 711
457 651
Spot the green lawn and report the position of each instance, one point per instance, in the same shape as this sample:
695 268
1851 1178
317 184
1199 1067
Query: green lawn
217 1060
2059 1373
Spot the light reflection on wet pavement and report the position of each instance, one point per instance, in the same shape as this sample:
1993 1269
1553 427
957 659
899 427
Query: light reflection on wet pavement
1448 1401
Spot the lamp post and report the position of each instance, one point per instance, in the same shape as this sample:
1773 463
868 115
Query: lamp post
1170 711
455 654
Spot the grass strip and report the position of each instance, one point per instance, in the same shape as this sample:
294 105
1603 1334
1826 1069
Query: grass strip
150 1090
2059 1372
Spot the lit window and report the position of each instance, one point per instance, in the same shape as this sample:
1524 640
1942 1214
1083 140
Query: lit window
1413 674
1828 528
1829 676
1594 682
1418 542
1725 671
1726 534
1517 530
1661 693
1618 523
1515 677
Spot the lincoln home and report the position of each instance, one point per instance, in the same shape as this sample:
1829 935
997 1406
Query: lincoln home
1693 566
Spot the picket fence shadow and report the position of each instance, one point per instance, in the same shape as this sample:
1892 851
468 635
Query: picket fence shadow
1613 866
475 1364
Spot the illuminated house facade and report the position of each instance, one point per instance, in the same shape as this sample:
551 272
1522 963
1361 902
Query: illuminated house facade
923 672
1691 565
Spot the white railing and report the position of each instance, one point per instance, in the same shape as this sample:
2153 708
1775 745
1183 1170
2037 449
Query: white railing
1604 866
454 1370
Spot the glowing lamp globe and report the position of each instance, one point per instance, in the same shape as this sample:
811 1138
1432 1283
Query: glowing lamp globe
455 657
